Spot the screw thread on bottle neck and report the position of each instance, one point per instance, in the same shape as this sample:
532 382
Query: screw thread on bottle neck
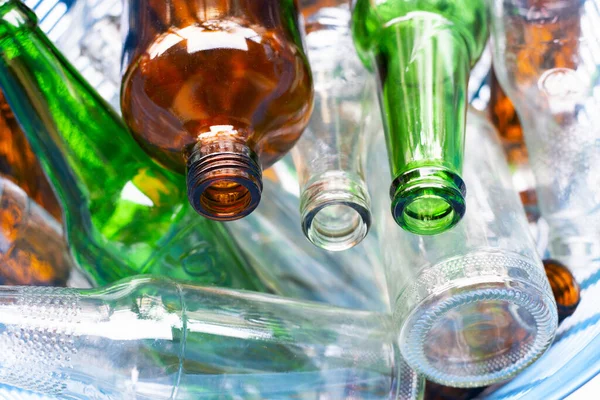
224 180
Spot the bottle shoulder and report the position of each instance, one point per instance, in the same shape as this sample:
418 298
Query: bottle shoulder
466 17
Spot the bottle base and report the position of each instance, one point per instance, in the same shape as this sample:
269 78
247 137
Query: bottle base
493 317
428 200
335 211
224 185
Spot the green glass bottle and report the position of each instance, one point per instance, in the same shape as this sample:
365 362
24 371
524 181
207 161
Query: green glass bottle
124 214
422 52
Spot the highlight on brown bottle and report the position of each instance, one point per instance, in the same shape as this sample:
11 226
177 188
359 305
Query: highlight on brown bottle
564 287
19 164
216 89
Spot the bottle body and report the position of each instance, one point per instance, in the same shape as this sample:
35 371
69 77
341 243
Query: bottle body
218 87
472 305
19 165
222 344
564 287
289 265
334 201
33 250
121 208
504 116
422 53
544 58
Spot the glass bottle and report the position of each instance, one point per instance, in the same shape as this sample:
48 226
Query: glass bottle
291 266
219 88
503 115
546 58
334 201
124 214
33 250
472 305
19 165
567 296
153 338
564 287
422 52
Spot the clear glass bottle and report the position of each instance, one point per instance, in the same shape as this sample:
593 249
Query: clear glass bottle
151 338
504 116
422 52
289 265
472 305
219 88
334 202
546 58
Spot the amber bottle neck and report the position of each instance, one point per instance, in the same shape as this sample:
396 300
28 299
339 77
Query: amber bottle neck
224 179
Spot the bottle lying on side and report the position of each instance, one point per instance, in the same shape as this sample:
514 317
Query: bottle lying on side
152 338
472 305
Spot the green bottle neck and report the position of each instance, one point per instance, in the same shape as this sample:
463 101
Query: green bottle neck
423 64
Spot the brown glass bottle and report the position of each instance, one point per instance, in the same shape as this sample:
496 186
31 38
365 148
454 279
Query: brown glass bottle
564 287
220 87
33 250
19 165
567 295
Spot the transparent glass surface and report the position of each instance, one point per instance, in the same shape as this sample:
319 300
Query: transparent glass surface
573 358
150 338
335 204
272 242
473 305
547 59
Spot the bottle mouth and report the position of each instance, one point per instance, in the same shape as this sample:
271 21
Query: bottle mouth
224 186
335 211
428 200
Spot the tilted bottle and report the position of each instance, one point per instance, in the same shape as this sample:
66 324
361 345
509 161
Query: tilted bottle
503 115
121 210
422 52
152 338
566 294
546 59
219 88
472 305
33 250
334 202
19 165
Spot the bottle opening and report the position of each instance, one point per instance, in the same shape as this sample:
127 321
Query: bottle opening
429 214
428 201
226 197
337 227
335 211
224 186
